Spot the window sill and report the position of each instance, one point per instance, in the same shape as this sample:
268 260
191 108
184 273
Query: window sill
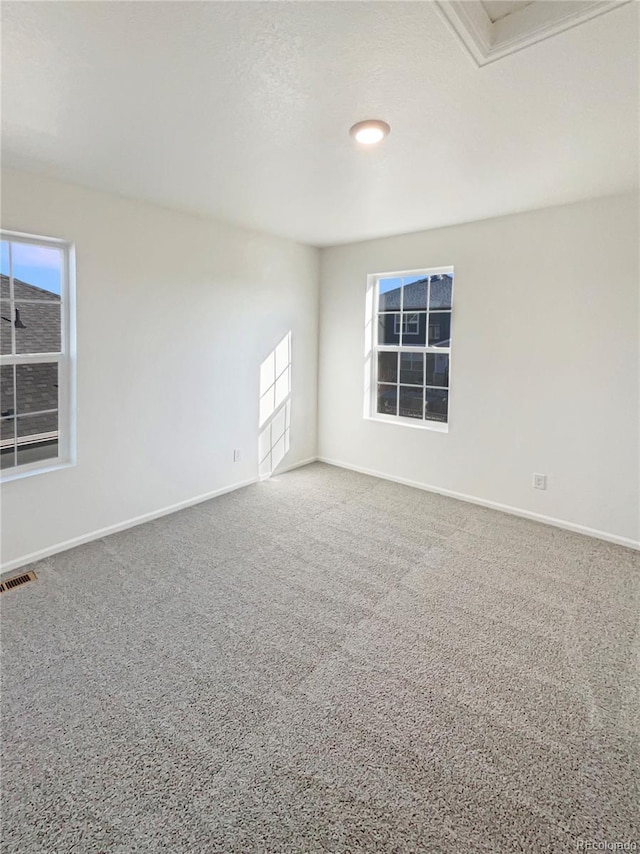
432 426
35 468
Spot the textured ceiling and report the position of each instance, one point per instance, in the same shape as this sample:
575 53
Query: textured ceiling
241 110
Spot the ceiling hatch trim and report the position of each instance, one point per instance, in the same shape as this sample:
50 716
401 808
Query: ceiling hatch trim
486 41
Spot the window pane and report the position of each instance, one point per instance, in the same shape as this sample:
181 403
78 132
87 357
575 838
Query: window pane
387 399
7 432
412 368
7 429
440 295
438 369
414 327
7 445
415 294
38 267
37 328
4 261
36 387
6 316
7 402
387 367
410 402
436 404
389 329
389 294
440 329
37 437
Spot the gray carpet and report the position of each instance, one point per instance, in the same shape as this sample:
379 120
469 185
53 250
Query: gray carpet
324 662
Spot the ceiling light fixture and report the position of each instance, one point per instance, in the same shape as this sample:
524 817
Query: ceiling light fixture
370 131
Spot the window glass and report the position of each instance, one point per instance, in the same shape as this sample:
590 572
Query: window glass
389 294
414 327
412 368
389 329
387 367
415 294
410 401
387 399
36 271
439 328
440 292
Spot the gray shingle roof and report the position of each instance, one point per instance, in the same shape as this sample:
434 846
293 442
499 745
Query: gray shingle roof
38 326
415 295
37 330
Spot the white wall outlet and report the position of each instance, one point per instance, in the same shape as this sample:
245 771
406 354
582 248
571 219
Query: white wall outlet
236 455
539 481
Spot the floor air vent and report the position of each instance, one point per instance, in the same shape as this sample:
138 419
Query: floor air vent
17 581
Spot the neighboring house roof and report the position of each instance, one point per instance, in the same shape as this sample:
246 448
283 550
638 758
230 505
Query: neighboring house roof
415 295
38 329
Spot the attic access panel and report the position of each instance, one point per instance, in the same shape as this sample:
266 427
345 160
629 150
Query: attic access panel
488 38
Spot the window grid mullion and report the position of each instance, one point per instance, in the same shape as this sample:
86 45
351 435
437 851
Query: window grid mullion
390 348
12 314
401 338
428 319
399 357
31 359
424 374
15 414
12 308
37 301
37 412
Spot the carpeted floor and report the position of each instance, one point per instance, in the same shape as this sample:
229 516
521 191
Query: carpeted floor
324 662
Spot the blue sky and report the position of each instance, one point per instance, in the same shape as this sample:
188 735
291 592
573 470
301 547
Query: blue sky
37 265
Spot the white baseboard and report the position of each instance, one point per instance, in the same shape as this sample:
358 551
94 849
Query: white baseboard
120 526
165 511
493 505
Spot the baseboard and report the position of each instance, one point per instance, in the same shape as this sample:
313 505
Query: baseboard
493 505
121 526
165 511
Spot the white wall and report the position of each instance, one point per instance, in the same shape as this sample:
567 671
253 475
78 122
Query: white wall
544 365
175 313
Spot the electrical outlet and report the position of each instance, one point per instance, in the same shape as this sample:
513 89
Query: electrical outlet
539 481
236 455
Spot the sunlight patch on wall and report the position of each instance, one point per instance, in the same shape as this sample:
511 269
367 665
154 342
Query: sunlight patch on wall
275 407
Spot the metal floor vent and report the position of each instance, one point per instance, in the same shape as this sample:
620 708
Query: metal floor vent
17 581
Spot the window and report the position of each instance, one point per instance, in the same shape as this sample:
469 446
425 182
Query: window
36 347
409 350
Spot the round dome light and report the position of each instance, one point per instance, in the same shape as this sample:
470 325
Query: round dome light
370 131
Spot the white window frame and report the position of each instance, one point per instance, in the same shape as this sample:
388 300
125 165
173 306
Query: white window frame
65 359
372 348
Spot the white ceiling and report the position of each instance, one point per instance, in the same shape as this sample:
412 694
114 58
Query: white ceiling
497 9
241 110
